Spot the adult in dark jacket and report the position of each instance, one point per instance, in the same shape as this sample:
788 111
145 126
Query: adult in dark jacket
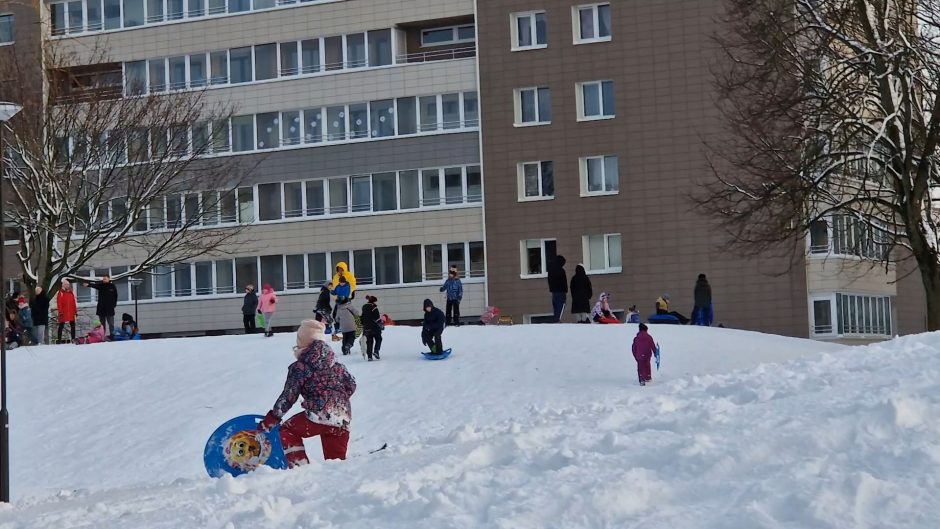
558 286
249 305
40 307
372 327
702 312
323 310
581 294
433 327
107 302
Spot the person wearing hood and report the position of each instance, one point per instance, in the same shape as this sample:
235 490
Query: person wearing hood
26 319
249 306
602 312
581 294
267 306
342 269
68 309
558 286
326 387
644 347
323 310
433 327
702 311
343 292
40 307
346 315
372 326
129 326
662 307
107 302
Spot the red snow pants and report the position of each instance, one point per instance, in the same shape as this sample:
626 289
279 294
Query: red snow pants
643 367
295 429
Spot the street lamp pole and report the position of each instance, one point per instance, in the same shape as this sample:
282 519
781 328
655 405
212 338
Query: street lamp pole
7 111
135 282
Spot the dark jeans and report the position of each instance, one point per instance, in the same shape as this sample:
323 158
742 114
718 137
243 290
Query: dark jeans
249 321
682 319
558 304
373 344
453 312
108 323
71 329
349 339
438 343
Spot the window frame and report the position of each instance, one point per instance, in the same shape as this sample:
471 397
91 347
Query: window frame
524 258
455 38
579 95
12 25
519 111
866 310
583 170
533 22
586 254
577 38
520 176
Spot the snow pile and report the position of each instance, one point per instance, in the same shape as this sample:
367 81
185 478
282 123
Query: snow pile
537 426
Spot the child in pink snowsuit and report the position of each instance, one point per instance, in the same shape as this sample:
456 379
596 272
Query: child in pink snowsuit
643 349
325 386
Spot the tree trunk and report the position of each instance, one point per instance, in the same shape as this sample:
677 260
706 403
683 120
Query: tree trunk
931 278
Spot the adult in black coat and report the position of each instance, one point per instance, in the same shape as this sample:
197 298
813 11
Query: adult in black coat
107 301
702 311
323 310
433 327
249 306
39 306
372 327
558 286
581 294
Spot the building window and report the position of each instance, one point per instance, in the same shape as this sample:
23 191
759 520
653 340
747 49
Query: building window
362 267
819 237
535 256
316 270
591 23
266 62
386 266
595 100
533 106
822 316
269 202
600 175
851 315
380 47
240 65
448 35
602 253
529 31
536 180
849 235
6 29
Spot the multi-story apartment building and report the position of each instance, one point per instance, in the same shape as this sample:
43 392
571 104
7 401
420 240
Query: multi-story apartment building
362 118
595 117
381 129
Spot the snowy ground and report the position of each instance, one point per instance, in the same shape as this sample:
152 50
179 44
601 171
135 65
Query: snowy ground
523 427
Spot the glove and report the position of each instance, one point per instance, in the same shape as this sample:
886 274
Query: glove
259 311
269 422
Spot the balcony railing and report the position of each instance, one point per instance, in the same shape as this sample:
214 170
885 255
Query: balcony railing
438 55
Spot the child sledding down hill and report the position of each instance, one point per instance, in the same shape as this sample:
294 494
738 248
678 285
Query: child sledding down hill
601 312
96 335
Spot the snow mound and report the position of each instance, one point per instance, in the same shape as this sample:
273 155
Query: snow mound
531 426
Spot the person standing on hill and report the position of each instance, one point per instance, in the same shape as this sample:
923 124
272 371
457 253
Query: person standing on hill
342 269
267 306
581 294
702 313
40 307
454 289
323 310
343 292
107 302
644 347
67 308
558 286
346 322
372 326
249 306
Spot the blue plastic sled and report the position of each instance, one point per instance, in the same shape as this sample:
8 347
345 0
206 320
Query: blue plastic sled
429 356
237 447
664 318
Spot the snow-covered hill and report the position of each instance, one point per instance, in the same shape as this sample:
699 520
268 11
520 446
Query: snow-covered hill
527 426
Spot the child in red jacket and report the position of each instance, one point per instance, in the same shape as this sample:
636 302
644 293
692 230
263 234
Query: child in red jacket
643 349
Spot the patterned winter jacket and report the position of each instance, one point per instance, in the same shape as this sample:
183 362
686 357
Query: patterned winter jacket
325 385
454 289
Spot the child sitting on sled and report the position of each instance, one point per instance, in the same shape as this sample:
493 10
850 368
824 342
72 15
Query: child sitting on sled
96 335
326 387
601 312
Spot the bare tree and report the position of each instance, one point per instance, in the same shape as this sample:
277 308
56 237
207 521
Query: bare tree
831 107
95 167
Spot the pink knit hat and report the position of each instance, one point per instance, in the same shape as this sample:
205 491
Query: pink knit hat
309 331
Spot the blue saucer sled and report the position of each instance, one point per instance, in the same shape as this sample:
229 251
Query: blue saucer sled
237 447
429 356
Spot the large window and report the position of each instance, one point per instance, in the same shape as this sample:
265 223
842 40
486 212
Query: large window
269 202
6 29
602 253
529 30
600 175
240 65
591 23
533 106
595 100
362 267
851 314
448 35
536 180
844 234
380 47
387 266
266 62
272 271
535 256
